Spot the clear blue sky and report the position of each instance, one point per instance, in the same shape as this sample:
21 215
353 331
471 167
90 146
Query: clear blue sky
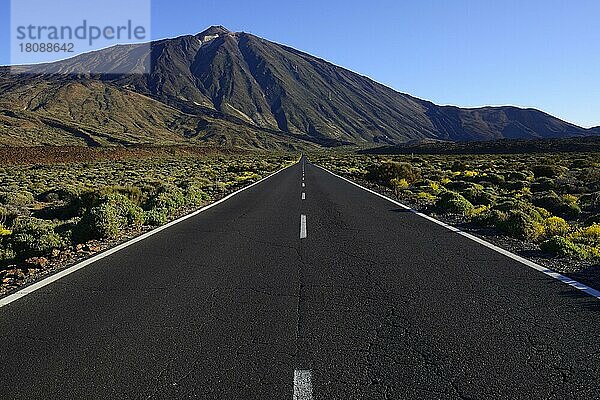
536 53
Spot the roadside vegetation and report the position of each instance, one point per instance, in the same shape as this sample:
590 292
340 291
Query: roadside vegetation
65 210
550 200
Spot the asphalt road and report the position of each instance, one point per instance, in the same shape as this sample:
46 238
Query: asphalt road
248 300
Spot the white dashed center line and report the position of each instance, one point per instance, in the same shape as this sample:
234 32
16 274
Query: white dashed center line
303 227
303 196
303 184
302 385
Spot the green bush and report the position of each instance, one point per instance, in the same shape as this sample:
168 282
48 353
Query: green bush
103 221
492 178
111 214
522 225
457 186
489 217
555 226
583 243
385 172
516 176
169 197
7 215
562 206
194 196
588 236
157 216
6 255
548 171
581 163
133 193
17 199
562 247
126 208
452 203
399 185
479 196
516 218
32 237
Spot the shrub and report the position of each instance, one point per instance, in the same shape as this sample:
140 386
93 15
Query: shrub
194 196
157 216
435 187
125 208
103 221
7 255
461 185
386 171
590 177
555 226
133 193
4 231
561 206
548 171
581 163
453 203
583 243
522 225
589 235
113 212
32 237
247 176
562 247
8 214
426 197
493 178
478 211
488 217
479 196
516 176
169 197
517 204
515 218
399 184
17 199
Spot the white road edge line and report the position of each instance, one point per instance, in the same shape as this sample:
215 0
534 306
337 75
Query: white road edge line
53 278
302 385
303 227
565 279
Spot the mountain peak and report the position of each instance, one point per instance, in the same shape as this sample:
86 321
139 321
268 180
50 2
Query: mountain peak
214 31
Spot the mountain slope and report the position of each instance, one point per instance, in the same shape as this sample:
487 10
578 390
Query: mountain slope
39 111
273 89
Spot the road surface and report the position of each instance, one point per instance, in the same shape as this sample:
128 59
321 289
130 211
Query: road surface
302 288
